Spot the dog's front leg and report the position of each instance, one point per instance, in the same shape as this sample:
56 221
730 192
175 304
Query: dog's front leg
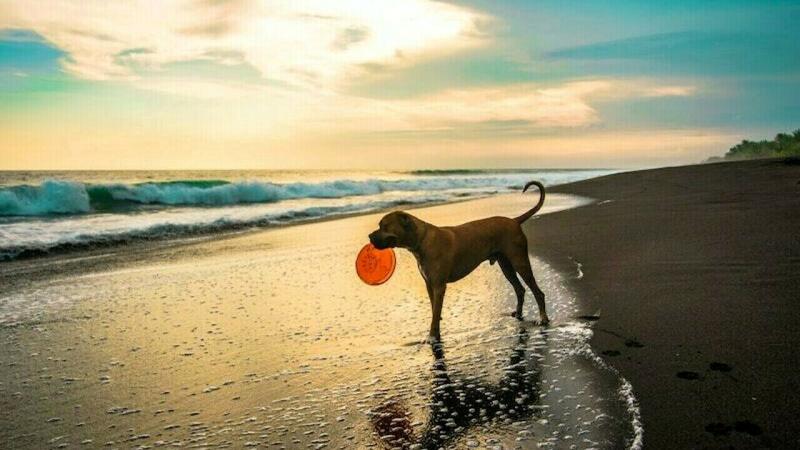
436 295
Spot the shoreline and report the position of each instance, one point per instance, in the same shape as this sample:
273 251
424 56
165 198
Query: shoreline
270 339
72 248
65 215
19 273
685 276
691 273
142 248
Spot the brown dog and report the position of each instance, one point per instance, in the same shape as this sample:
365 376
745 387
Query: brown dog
447 254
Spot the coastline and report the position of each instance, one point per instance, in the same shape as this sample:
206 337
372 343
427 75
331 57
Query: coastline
696 372
76 260
269 339
693 273
62 213
100 247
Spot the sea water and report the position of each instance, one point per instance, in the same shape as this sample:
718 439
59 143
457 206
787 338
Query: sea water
45 212
199 350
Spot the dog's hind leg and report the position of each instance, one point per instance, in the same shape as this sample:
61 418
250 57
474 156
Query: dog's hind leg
511 276
522 266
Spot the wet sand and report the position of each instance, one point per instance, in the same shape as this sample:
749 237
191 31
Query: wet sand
695 274
269 340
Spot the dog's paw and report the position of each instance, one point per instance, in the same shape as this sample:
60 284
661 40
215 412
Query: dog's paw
516 315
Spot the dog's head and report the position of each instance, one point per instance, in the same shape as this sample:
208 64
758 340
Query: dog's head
396 229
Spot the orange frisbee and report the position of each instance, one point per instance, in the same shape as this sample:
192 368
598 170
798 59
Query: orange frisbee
375 266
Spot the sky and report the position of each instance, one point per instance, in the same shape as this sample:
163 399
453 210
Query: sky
386 84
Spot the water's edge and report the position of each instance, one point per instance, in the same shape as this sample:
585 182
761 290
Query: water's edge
625 390
576 396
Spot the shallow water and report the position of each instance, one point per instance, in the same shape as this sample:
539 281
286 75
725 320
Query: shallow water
270 340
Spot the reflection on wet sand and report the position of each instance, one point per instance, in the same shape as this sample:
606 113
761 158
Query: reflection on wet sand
269 340
460 403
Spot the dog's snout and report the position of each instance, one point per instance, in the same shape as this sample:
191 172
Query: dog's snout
374 238
382 240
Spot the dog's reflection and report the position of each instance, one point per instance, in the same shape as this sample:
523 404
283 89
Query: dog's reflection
458 405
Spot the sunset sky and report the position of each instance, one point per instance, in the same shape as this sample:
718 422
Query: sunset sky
385 84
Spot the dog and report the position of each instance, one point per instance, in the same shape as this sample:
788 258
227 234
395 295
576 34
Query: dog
448 254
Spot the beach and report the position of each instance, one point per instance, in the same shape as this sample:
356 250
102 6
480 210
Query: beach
268 339
194 195
695 273
672 294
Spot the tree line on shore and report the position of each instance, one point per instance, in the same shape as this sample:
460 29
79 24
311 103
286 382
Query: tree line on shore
784 145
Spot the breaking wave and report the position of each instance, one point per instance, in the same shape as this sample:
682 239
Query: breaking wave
50 215
96 233
69 197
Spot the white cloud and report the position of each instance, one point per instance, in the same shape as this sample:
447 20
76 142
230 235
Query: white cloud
297 42
524 106
567 104
670 91
303 50
563 105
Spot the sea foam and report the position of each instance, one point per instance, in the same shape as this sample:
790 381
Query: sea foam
69 215
73 197
68 197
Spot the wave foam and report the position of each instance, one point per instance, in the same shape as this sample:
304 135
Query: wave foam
64 215
72 197
36 238
67 197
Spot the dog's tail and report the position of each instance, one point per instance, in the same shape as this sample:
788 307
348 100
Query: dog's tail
538 206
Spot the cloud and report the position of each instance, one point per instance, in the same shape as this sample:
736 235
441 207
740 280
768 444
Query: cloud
516 108
279 66
669 91
566 104
587 148
348 37
288 41
628 88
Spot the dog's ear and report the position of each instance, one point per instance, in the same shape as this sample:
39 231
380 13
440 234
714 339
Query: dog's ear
406 222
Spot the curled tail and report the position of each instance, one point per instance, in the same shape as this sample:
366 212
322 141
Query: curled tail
538 206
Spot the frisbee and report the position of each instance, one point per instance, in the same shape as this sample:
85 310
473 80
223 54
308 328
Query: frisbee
375 266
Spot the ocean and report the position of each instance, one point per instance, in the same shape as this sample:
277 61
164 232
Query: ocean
46 212
271 339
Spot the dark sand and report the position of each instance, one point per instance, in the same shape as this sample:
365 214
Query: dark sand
695 272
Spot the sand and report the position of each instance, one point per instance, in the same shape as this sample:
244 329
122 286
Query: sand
269 340
683 280
695 274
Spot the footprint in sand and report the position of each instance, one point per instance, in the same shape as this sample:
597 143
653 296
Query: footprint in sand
742 426
633 343
590 317
745 426
720 367
688 375
719 429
